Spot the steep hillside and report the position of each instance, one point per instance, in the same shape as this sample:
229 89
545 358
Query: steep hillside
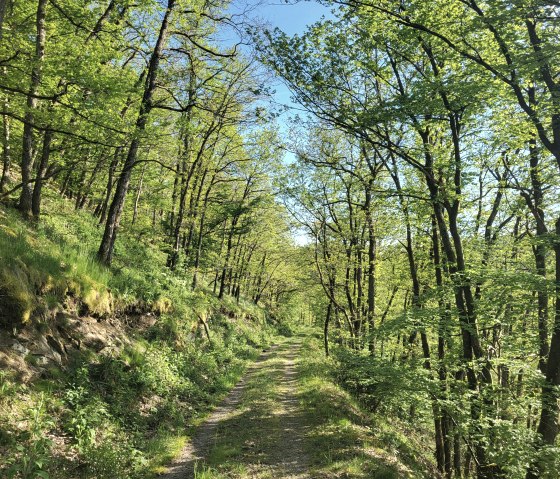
102 369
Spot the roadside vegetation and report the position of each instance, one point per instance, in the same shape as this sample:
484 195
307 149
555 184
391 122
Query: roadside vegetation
345 436
116 401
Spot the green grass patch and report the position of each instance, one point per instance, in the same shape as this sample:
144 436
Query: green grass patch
343 440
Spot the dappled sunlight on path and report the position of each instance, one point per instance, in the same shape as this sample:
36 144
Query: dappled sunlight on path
259 429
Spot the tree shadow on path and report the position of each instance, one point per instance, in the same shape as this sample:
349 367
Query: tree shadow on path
259 429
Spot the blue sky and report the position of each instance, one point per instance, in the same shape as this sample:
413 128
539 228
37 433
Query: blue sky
292 18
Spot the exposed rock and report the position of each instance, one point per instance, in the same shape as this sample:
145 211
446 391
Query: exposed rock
40 360
56 345
42 347
62 335
19 348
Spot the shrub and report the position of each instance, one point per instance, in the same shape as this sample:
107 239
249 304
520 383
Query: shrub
32 456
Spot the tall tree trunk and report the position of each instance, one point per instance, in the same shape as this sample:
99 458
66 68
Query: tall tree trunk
6 147
138 193
444 321
193 210
173 258
183 181
109 188
226 266
201 233
86 192
230 282
548 423
41 171
464 298
222 241
176 179
326 328
535 205
106 248
244 276
258 282
81 189
372 258
25 199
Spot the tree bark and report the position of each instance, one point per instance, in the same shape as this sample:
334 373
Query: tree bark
109 188
41 171
25 199
548 424
138 193
6 148
201 233
106 248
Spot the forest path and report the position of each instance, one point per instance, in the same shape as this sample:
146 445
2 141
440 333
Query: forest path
258 430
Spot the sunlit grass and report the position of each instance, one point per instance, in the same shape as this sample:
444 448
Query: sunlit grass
342 440
162 449
138 412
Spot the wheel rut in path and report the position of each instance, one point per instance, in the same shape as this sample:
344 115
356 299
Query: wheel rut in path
258 430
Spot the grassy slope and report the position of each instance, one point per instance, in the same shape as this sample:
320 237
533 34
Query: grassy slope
346 441
118 415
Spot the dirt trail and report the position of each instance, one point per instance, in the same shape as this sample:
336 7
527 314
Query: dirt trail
257 431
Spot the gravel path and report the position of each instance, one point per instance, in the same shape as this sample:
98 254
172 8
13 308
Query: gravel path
275 449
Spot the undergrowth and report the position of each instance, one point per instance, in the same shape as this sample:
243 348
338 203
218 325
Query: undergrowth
118 416
347 439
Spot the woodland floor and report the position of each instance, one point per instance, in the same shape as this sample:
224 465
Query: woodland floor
286 419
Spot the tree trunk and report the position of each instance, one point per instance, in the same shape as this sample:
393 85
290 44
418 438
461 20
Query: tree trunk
41 171
548 423
201 234
225 267
6 151
109 188
326 328
106 248
535 205
138 193
371 273
26 199
193 210
183 182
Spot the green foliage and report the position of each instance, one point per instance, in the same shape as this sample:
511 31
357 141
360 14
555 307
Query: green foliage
114 457
345 438
381 385
33 453
122 415
427 176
